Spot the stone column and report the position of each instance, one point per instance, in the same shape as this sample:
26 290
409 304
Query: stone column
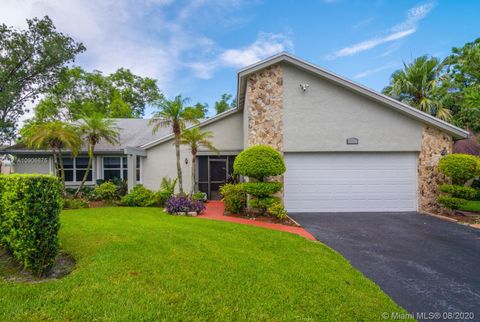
435 144
265 110
265 107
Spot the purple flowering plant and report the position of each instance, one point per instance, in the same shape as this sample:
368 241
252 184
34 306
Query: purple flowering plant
176 204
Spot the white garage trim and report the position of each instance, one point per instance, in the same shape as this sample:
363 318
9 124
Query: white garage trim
351 182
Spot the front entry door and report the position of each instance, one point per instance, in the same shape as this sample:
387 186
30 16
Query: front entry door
218 177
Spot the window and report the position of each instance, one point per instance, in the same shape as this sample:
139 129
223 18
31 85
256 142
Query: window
75 169
117 167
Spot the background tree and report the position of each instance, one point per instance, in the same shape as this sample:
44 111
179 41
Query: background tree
175 114
93 129
30 64
225 103
55 136
462 85
202 109
419 85
78 92
195 138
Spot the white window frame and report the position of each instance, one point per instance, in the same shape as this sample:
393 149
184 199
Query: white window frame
74 169
122 166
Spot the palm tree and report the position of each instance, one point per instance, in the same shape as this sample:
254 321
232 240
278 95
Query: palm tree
195 139
93 129
56 136
418 84
175 114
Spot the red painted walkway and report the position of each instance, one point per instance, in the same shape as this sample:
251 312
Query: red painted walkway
215 209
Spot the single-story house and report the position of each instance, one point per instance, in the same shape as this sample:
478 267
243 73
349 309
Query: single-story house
346 147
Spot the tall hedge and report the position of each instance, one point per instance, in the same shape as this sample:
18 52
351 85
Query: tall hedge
30 206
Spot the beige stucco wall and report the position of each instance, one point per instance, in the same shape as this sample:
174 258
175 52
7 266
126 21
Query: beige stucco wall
161 160
325 115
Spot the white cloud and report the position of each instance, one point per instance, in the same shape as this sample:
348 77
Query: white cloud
266 44
372 71
150 37
404 29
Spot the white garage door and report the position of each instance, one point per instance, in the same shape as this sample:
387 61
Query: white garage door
350 182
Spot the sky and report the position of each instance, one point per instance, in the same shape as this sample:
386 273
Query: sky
196 47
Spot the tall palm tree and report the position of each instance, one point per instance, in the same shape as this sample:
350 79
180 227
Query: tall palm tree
195 139
93 129
419 84
56 136
175 114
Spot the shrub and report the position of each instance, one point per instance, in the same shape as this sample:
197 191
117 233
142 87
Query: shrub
459 191
197 206
262 189
234 198
278 211
74 203
202 196
262 204
451 202
30 206
106 191
181 204
168 184
161 197
258 162
139 197
460 167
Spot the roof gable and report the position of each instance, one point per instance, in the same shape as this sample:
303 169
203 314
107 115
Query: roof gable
339 80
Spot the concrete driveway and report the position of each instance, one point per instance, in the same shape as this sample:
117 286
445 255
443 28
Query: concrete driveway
424 263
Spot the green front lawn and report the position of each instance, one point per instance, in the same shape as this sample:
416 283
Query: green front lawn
140 264
473 206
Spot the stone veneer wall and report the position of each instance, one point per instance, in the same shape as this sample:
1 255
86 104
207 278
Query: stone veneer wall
434 142
265 107
265 110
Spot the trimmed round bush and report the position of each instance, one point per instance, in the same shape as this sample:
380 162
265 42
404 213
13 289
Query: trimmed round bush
460 167
451 202
262 204
459 191
262 189
258 162
139 197
106 191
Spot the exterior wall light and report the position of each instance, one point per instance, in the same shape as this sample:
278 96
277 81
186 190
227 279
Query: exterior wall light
186 160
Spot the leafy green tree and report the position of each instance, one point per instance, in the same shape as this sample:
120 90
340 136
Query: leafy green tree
195 138
30 64
78 92
202 109
419 85
56 136
175 114
93 129
462 85
225 103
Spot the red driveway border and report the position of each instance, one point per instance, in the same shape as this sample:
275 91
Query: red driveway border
215 209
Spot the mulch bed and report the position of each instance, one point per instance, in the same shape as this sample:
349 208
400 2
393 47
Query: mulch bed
12 272
269 219
465 217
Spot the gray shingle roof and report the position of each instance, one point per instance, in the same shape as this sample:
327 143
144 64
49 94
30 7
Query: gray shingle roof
133 133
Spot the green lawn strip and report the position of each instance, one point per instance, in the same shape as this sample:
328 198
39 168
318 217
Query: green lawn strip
140 264
473 206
